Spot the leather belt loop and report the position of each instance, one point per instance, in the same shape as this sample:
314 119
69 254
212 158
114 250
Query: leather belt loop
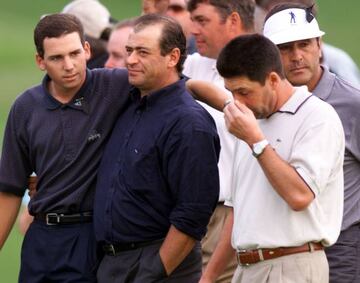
311 247
261 255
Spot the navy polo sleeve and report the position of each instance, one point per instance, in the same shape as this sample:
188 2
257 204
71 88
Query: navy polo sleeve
14 163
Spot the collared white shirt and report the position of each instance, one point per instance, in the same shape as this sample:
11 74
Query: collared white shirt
307 133
203 68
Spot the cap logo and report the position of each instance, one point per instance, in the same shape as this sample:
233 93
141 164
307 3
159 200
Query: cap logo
292 18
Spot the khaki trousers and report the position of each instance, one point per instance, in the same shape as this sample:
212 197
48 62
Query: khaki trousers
211 239
308 267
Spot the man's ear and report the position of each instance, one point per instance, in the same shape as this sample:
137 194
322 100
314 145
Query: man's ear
235 23
174 57
273 79
320 43
87 49
40 62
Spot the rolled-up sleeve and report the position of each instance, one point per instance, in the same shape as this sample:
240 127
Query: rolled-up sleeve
194 180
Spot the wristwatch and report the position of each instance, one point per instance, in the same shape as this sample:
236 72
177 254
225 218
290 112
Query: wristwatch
258 148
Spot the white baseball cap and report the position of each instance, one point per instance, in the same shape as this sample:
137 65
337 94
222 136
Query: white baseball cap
291 25
94 16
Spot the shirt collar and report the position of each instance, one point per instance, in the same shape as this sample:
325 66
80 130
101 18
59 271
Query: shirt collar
79 101
294 103
162 95
325 85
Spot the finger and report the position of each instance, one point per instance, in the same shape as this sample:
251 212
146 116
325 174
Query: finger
242 107
234 110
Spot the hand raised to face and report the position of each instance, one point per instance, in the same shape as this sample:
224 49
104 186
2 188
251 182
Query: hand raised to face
241 122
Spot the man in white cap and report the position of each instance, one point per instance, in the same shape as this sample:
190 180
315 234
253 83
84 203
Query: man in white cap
299 41
337 60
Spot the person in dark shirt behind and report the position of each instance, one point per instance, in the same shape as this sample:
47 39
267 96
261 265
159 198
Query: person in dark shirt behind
158 180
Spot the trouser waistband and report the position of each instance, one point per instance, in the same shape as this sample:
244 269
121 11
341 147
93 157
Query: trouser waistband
247 257
114 249
53 218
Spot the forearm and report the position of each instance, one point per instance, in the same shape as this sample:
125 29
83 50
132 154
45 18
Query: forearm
222 255
285 180
176 246
208 93
9 208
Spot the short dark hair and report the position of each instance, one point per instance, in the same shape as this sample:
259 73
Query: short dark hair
56 25
253 56
288 5
172 35
245 9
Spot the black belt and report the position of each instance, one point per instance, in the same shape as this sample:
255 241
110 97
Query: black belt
62 218
114 249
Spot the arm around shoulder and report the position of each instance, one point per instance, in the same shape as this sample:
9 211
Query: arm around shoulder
208 93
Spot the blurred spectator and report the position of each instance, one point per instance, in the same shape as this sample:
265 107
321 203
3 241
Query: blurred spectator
97 23
336 59
116 44
154 6
177 9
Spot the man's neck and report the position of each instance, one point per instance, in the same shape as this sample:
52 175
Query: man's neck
61 94
172 78
315 79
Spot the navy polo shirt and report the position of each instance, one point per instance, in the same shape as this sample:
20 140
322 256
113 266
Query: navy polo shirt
159 168
61 143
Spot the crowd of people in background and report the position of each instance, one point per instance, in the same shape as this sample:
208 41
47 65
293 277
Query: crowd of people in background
201 141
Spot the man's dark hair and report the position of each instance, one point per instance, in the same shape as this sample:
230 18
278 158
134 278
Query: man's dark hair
289 5
253 56
245 9
56 25
172 35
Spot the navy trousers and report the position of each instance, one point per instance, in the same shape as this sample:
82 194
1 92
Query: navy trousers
59 253
344 257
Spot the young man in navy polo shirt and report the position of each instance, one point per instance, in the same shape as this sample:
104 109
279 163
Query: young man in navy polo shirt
57 130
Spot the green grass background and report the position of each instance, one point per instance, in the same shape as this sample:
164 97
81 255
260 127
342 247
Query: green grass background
339 19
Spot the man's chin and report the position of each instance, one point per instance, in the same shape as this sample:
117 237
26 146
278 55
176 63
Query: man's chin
135 83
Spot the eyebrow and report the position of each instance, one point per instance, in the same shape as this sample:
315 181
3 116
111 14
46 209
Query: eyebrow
137 48
61 55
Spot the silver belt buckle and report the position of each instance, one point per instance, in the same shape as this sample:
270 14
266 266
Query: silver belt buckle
238 258
112 249
48 215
